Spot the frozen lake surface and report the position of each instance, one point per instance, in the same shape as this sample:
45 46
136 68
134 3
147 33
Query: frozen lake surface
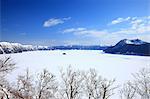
110 66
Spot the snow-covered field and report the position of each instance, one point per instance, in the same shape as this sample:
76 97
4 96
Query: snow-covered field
110 66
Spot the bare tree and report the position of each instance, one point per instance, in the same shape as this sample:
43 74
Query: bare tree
127 92
139 87
71 84
46 86
96 87
24 88
6 66
27 88
92 84
142 83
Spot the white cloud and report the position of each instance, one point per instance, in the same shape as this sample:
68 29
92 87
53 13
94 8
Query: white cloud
120 20
136 23
136 27
133 18
53 21
148 17
144 29
74 30
86 32
140 22
141 32
80 42
67 18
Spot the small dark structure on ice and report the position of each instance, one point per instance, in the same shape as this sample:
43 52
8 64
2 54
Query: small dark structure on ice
64 53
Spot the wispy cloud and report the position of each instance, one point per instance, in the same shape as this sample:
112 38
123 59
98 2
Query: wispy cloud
55 21
137 27
67 18
74 30
120 20
85 32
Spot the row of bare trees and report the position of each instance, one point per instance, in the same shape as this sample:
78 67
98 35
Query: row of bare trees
139 87
72 84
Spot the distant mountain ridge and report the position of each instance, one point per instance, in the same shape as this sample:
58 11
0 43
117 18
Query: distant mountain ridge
79 47
130 47
6 47
125 46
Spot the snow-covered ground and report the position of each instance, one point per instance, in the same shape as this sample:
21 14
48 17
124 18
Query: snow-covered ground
110 66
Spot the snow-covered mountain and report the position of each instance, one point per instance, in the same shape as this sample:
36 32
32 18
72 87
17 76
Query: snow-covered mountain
134 47
125 46
134 41
6 47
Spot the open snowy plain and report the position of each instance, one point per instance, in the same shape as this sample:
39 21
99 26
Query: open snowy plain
110 66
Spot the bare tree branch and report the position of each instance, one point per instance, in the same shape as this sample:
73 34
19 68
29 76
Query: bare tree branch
96 87
6 65
72 84
46 86
139 87
128 92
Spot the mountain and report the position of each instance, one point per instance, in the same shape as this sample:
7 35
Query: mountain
6 47
125 46
79 47
130 47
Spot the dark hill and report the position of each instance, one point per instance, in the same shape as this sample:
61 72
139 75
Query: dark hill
130 47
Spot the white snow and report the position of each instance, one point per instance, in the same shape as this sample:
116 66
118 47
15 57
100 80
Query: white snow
110 66
6 45
135 42
13 46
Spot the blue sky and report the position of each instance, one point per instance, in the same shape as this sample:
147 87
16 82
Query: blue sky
65 22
